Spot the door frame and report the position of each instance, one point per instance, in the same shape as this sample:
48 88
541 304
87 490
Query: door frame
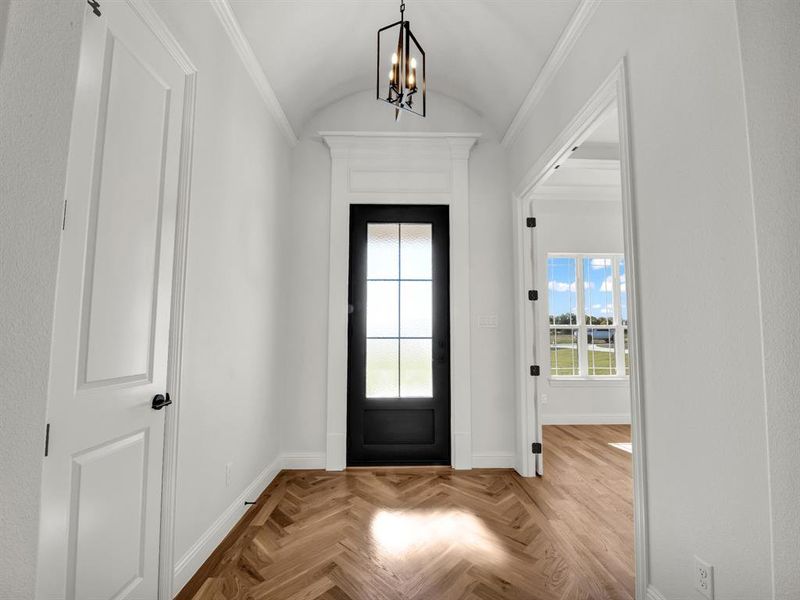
402 169
439 403
614 90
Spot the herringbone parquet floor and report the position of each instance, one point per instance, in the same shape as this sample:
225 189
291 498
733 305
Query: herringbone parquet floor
440 534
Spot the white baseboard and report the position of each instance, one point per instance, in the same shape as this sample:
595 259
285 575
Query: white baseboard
588 419
304 460
494 460
194 558
654 594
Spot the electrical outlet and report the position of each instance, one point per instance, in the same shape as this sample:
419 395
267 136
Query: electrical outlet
228 469
704 578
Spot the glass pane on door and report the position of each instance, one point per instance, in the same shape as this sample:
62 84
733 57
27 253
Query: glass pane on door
399 310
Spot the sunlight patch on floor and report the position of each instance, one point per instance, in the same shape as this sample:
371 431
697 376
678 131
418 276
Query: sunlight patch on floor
401 533
625 446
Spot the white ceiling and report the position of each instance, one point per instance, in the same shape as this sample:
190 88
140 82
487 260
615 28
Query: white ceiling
486 53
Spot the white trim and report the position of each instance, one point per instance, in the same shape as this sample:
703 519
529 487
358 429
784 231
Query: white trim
166 546
580 126
612 95
494 460
194 558
588 419
253 67
149 15
526 463
557 57
303 460
653 594
419 157
169 476
634 333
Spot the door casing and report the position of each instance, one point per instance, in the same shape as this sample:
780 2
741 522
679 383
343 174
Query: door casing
399 168
613 91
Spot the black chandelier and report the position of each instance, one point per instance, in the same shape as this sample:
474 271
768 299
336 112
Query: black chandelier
398 82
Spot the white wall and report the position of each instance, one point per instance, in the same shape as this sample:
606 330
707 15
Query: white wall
587 227
39 43
230 384
704 417
306 234
770 45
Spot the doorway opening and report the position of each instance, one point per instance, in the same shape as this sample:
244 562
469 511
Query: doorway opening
578 326
398 389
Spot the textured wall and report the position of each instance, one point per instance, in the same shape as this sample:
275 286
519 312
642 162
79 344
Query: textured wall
770 40
38 67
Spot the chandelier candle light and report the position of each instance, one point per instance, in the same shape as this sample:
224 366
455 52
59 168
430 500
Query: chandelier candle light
402 88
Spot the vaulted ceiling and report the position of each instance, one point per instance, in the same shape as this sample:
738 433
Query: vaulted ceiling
486 53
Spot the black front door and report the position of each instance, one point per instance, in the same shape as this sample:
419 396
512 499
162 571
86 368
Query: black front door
398 388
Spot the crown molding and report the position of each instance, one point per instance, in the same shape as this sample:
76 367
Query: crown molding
253 67
563 47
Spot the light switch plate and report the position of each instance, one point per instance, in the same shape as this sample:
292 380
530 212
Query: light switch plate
487 321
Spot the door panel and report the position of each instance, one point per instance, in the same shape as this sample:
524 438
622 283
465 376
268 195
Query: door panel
399 329
101 488
122 261
104 518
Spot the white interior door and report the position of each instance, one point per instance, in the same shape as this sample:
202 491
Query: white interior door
101 496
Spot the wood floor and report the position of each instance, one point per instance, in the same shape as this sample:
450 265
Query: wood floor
438 534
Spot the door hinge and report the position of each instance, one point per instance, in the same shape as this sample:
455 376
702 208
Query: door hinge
64 216
533 295
47 440
536 448
534 370
95 4
530 222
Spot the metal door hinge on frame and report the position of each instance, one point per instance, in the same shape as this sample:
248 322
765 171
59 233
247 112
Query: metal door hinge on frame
530 222
95 4
535 371
536 448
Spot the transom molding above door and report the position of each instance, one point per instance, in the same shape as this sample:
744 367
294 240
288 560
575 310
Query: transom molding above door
399 168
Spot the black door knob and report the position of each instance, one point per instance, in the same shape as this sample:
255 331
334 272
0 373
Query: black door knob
159 401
